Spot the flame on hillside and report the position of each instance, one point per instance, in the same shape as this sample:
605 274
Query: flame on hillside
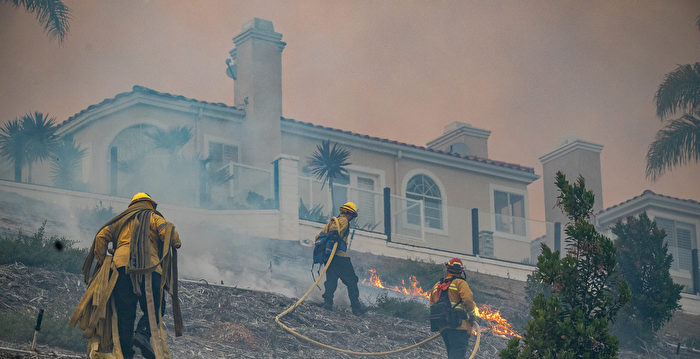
499 325
413 289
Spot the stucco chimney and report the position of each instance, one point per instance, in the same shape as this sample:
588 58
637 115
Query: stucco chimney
256 67
573 157
463 139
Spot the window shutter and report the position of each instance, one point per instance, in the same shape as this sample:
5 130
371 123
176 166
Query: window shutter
684 238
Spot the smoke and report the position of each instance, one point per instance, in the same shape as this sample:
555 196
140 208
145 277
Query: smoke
212 252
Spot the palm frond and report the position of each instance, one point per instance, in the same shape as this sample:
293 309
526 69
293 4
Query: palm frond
66 163
12 140
53 15
675 144
327 163
41 137
172 139
680 91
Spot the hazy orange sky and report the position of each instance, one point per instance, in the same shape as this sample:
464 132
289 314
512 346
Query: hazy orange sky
532 72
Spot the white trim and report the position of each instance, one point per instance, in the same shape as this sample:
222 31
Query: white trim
136 97
647 202
443 198
464 130
569 146
495 187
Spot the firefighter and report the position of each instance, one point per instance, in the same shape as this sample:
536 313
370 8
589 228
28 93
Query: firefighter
461 302
137 237
341 266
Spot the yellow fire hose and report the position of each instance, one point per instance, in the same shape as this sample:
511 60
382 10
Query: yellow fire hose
346 351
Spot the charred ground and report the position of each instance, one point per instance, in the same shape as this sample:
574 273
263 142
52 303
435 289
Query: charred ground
229 322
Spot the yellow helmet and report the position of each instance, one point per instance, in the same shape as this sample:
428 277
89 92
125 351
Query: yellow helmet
349 208
141 196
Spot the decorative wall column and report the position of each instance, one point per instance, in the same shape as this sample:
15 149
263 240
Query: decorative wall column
287 169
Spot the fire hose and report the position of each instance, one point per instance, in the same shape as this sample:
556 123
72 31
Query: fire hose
352 352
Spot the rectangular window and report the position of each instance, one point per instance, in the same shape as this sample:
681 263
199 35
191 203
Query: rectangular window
509 212
341 192
221 154
679 238
366 201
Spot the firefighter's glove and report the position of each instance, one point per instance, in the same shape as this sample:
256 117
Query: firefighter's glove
471 317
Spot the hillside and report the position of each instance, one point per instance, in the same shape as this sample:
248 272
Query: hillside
229 322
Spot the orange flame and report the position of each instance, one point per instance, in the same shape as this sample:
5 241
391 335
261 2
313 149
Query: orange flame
499 326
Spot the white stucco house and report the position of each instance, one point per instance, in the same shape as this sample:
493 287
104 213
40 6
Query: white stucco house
433 189
679 218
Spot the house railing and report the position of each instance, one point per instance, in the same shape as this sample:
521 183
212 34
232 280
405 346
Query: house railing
315 203
243 187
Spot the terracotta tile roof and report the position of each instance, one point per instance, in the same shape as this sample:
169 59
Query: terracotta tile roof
144 90
649 192
450 154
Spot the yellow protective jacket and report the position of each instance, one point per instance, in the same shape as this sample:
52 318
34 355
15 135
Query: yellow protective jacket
123 239
96 312
458 289
342 233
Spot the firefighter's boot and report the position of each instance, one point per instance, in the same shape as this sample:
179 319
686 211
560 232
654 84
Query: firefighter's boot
144 344
358 309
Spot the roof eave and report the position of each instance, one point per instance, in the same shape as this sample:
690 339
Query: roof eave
133 98
407 151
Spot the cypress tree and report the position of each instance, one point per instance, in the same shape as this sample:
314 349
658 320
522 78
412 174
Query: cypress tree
583 293
644 263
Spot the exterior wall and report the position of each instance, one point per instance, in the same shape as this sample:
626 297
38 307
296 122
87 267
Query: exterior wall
365 242
188 220
97 136
690 303
460 190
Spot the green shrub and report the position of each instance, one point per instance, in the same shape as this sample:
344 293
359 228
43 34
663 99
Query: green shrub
93 219
403 308
40 251
18 327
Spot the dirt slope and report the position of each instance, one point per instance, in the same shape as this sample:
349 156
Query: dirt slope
227 322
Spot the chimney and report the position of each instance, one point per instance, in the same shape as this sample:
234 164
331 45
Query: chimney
256 67
573 157
463 139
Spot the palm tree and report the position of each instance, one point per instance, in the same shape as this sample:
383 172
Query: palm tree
52 14
679 141
675 145
40 132
66 163
12 145
680 91
328 163
171 140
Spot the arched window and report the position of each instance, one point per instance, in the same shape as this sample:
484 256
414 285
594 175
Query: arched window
421 187
131 147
